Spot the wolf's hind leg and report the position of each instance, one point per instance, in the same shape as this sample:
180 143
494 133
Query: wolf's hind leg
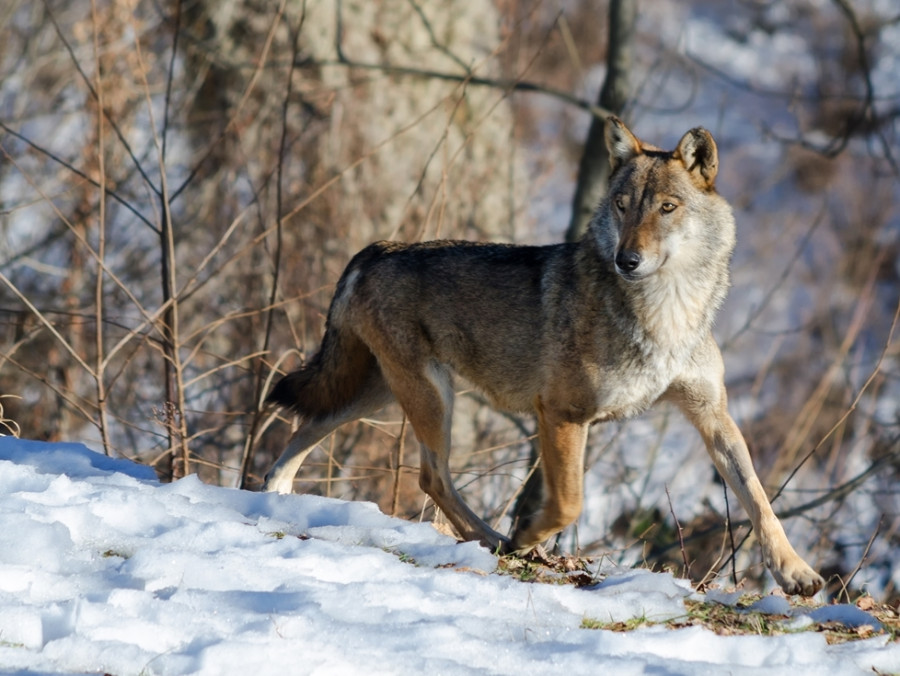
426 396
280 478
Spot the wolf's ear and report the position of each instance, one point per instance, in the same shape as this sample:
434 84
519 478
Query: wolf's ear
697 151
621 143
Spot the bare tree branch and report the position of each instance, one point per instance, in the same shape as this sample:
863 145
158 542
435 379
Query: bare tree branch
510 85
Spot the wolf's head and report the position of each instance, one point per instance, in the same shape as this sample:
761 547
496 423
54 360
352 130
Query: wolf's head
662 211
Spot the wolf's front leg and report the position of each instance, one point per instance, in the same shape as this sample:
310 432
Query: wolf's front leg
703 401
730 454
562 466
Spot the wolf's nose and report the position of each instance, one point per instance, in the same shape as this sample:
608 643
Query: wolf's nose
628 260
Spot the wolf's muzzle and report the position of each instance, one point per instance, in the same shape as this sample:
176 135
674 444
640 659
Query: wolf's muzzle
628 260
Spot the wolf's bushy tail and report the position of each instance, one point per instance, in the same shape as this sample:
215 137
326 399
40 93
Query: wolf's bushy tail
331 381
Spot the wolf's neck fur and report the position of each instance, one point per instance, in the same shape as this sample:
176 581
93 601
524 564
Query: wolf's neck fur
674 307
669 312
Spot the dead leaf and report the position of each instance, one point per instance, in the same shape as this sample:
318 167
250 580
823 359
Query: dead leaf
865 603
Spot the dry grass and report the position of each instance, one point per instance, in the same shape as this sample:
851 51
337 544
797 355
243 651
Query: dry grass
738 619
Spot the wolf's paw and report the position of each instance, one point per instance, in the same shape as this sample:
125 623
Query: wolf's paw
796 577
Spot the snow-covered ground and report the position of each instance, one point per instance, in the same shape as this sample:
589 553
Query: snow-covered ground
103 569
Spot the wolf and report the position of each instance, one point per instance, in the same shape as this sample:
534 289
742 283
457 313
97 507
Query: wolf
575 333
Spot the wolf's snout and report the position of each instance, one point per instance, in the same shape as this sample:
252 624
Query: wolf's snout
628 260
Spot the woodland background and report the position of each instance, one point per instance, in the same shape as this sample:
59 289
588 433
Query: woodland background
181 184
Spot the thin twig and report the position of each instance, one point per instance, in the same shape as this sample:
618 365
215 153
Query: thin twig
835 494
398 465
102 418
684 556
509 85
248 91
87 82
852 406
767 298
248 452
865 555
80 174
730 530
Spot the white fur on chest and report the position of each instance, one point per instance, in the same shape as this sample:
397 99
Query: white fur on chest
673 310
631 387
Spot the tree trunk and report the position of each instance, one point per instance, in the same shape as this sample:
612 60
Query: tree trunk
593 172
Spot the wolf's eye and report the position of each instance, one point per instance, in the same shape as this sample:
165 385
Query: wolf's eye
668 207
620 205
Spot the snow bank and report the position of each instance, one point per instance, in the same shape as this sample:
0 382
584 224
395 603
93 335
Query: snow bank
104 569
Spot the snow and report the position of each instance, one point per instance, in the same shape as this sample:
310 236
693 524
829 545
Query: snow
104 569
